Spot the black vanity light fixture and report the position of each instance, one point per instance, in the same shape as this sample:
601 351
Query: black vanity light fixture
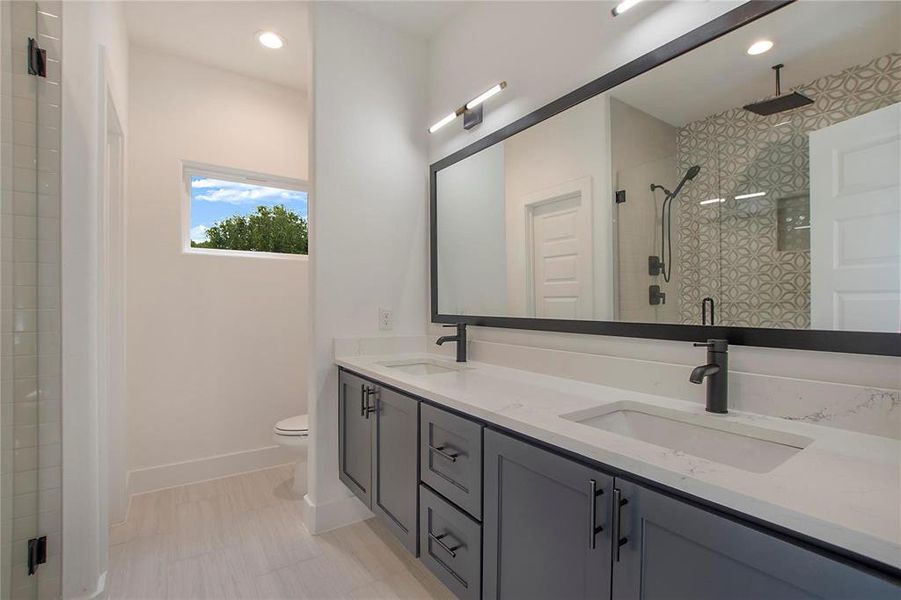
623 7
471 111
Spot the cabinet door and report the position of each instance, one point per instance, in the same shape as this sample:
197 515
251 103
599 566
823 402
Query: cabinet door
546 524
395 465
355 435
673 550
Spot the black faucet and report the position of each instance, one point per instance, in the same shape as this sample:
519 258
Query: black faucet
460 338
716 371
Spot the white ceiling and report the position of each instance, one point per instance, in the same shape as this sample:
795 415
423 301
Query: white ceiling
812 39
422 19
222 34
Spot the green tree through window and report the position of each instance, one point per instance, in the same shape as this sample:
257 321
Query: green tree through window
269 229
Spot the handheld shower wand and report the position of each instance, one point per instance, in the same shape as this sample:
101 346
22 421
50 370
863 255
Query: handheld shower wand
663 264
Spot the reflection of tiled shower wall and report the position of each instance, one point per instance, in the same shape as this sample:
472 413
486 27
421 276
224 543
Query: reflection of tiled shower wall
729 250
30 498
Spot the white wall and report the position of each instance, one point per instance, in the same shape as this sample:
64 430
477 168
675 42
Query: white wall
88 27
369 220
545 50
472 259
570 146
217 345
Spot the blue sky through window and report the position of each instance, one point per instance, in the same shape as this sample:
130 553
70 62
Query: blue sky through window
214 200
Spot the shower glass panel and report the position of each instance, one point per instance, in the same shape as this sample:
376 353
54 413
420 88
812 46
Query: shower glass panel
30 449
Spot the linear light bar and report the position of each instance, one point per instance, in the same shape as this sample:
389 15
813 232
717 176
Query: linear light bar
443 122
712 201
485 95
754 195
471 111
623 7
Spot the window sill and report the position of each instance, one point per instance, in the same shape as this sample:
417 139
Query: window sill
247 254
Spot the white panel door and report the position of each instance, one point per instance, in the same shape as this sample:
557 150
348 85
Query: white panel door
561 257
855 223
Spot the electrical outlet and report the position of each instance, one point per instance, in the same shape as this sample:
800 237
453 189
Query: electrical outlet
386 319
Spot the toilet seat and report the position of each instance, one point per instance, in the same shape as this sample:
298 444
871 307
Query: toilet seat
298 426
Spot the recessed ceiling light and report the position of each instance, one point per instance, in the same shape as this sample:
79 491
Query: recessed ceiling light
760 47
270 39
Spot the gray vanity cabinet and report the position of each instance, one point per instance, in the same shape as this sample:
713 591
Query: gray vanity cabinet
546 524
378 441
355 435
394 464
673 550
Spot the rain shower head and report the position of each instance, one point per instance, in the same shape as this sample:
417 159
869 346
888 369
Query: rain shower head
781 103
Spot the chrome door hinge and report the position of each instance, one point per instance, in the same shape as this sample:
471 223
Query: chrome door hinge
37 553
37 59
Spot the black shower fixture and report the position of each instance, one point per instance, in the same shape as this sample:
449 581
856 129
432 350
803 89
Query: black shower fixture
781 103
662 265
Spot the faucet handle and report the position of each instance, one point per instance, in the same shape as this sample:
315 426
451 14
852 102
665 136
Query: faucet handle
714 345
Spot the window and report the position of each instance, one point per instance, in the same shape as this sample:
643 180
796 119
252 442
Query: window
240 212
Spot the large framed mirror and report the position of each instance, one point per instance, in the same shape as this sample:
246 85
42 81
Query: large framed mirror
678 197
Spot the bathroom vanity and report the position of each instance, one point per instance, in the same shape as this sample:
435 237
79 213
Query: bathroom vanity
510 484
779 232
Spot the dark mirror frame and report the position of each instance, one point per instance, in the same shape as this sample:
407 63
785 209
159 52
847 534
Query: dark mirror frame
885 344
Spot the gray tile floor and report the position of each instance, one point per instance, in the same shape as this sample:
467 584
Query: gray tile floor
242 537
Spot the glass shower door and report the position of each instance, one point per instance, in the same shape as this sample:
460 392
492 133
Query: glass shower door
30 448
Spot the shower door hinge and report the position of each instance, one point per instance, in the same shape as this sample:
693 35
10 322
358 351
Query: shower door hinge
37 553
620 196
37 59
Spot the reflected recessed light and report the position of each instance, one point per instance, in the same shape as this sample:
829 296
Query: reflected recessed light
753 195
270 39
712 201
760 47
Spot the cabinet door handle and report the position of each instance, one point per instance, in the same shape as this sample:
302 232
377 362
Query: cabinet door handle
618 503
437 539
365 408
440 450
593 528
362 399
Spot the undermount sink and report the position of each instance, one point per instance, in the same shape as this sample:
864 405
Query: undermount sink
745 447
423 366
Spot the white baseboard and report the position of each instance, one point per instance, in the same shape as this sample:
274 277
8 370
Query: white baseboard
211 467
319 518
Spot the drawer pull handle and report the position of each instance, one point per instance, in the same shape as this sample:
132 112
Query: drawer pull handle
593 528
437 539
440 450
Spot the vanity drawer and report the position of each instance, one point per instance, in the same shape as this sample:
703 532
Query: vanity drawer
451 457
450 545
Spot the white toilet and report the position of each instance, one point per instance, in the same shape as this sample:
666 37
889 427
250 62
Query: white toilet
293 433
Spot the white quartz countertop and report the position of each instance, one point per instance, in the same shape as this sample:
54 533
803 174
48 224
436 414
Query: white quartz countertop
844 488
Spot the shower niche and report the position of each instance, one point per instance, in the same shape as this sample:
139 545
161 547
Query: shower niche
658 199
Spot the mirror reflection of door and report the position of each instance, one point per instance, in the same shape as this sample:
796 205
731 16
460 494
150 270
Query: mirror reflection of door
560 251
855 222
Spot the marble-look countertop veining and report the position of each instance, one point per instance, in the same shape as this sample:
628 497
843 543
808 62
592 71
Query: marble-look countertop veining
844 488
